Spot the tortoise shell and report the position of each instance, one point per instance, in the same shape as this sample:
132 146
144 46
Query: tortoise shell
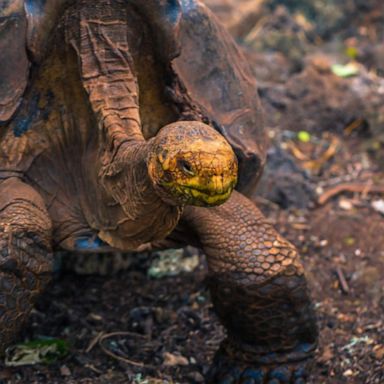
195 65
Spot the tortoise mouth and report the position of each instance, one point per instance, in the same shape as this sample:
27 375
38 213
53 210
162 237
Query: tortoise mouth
203 197
207 191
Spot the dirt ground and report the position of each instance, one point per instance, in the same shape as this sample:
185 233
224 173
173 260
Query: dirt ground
320 67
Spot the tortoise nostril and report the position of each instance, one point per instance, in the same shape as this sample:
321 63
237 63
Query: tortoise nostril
186 167
167 177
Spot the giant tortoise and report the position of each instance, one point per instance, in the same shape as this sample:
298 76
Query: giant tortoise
124 124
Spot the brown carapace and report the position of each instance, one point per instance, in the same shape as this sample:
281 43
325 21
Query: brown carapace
128 124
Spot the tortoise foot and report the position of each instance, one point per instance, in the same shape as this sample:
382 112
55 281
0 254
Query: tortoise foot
226 370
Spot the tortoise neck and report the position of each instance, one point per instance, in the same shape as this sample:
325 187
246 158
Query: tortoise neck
100 41
133 212
125 177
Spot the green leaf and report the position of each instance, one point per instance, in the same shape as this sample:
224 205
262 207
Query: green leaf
38 351
352 52
349 241
347 70
304 136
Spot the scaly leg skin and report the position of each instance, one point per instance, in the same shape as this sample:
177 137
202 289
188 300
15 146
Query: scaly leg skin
260 294
25 255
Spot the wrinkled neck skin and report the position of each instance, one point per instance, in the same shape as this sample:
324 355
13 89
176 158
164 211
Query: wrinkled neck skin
124 179
133 213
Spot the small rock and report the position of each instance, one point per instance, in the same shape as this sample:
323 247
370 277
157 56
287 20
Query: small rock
65 371
95 317
345 204
327 355
348 373
195 377
378 205
170 360
378 351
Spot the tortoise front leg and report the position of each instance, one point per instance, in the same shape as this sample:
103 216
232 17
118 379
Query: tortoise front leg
25 255
260 294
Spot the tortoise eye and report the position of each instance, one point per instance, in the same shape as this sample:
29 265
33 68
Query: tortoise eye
186 167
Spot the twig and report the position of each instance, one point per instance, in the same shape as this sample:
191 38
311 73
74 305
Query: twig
343 282
252 34
120 358
315 164
93 342
352 126
349 187
324 157
296 152
93 368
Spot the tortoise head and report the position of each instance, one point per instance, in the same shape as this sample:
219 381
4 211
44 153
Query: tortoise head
191 163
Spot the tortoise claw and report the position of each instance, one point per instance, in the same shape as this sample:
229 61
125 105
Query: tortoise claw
225 371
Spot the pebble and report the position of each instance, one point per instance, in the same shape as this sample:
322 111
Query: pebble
170 360
195 377
378 351
348 373
378 205
345 204
65 371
